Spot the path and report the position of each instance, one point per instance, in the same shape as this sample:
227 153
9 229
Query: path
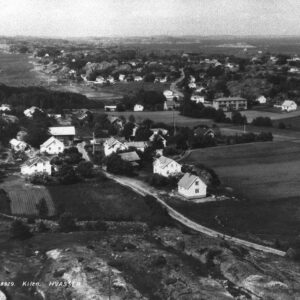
142 189
82 150
173 86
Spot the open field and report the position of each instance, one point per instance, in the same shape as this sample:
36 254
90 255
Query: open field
272 114
23 202
163 116
293 122
257 171
266 176
16 70
99 199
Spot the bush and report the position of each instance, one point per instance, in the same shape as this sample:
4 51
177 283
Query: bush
281 125
85 169
67 175
42 227
116 165
42 208
262 121
160 181
67 223
41 179
20 230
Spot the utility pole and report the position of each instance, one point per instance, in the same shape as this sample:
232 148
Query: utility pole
94 141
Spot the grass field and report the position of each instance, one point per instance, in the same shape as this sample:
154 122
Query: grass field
99 199
23 201
266 176
15 70
163 116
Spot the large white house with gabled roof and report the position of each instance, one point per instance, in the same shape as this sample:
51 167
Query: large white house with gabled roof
36 165
52 146
166 166
191 186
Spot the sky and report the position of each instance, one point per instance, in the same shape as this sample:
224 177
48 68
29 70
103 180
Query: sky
80 18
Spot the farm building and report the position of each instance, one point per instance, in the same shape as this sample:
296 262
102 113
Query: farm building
52 146
131 157
288 105
162 131
17 145
65 134
230 103
113 145
36 165
138 107
191 186
158 137
5 108
166 166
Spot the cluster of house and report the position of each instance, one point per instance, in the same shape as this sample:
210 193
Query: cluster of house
61 137
190 186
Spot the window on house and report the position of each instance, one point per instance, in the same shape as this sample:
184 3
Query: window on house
197 183
196 191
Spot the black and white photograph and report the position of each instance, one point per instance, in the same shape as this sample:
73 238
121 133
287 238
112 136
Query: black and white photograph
149 150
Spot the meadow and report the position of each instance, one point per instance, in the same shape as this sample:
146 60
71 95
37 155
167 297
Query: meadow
266 179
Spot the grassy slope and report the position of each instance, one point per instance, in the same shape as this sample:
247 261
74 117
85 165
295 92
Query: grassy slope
102 199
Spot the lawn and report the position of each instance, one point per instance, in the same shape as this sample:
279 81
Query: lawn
266 176
99 199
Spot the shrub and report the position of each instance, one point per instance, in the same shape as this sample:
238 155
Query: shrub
20 230
262 121
85 169
281 125
42 208
42 227
66 223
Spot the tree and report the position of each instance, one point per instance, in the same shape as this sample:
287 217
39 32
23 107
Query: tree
116 165
42 208
128 130
67 175
85 169
20 230
66 222
237 118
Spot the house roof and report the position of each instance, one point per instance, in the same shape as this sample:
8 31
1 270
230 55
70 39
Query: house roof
230 99
15 142
288 102
64 130
35 160
164 161
137 144
187 180
113 119
50 141
112 141
130 156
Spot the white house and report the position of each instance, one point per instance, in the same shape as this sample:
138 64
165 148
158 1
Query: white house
168 94
192 85
30 111
36 165
261 99
110 107
288 105
113 145
191 186
110 79
17 145
52 146
197 99
100 80
5 108
138 78
138 107
166 166
122 77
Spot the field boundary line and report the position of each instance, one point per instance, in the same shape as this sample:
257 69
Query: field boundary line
174 214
